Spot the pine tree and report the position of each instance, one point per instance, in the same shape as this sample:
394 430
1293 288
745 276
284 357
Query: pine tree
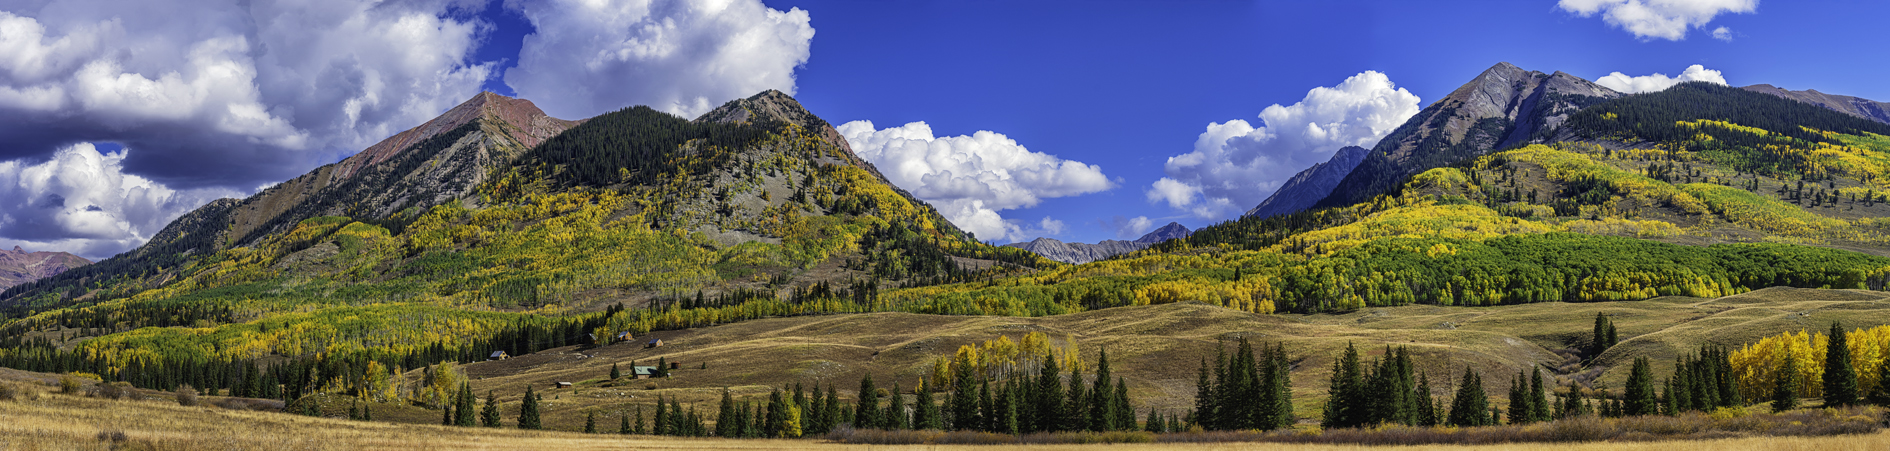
725 424
1008 422
924 410
1880 395
775 425
367 412
835 413
1572 405
1154 422
1426 406
590 422
489 416
1519 400
463 414
1100 418
1785 387
624 428
964 401
528 411
1049 400
1076 405
659 422
895 417
1124 413
1343 406
1471 407
1639 393
614 372
866 416
1840 379
446 415
1538 399
637 428
1203 396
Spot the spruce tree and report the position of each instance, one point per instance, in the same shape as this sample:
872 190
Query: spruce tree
1281 390
1100 396
1008 421
964 401
1471 407
614 372
1785 385
1426 406
446 415
1124 412
528 410
895 417
463 414
1343 409
924 411
835 412
637 428
725 424
1049 399
1519 400
1639 394
489 415
1880 395
1154 422
1840 379
1572 406
624 428
866 416
1076 403
987 407
659 422
590 422
1538 398
1203 396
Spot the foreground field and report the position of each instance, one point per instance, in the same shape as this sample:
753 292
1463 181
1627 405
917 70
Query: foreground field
1156 348
47 421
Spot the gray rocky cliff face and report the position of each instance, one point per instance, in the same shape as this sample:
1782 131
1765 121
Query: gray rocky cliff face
1168 232
1078 253
1502 107
1855 106
1309 186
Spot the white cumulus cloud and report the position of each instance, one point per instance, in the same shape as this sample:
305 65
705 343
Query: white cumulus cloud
1663 19
81 201
1130 228
1658 81
683 57
1235 165
971 178
211 95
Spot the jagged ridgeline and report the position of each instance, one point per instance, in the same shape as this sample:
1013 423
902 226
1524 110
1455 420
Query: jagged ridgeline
497 228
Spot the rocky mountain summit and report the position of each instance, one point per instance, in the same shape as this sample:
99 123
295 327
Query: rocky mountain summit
1855 106
1309 186
1078 253
18 266
1503 107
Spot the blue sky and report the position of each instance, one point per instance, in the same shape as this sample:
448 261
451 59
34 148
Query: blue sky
1076 107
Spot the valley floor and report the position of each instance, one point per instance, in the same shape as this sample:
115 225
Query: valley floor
49 421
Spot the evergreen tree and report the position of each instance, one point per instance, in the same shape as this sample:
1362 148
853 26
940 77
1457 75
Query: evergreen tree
489 416
1101 395
1203 396
614 372
1880 395
624 428
1639 395
924 410
776 424
1344 408
1008 421
1426 406
1076 405
367 412
1124 413
1519 400
725 416
1538 399
1049 397
1840 379
834 414
659 422
1785 387
637 428
1154 422
528 410
895 417
1601 339
590 422
866 416
463 414
1471 407
964 401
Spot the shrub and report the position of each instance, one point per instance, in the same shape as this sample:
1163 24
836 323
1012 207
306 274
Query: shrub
8 393
68 384
649 386
115 390
186 395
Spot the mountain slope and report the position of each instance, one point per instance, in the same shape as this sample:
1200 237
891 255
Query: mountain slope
1309 186
1855 106
18 266
1054 249
1502 107
1168 232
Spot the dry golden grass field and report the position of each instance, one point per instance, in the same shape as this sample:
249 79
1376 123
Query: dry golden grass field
1157 349
45 421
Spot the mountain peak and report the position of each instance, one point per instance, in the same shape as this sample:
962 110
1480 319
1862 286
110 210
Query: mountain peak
528 125
1168 232
16 248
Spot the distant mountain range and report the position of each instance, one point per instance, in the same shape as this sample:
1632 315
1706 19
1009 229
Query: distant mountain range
1054 249
18 266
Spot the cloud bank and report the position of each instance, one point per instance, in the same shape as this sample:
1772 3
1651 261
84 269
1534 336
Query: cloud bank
1662 19
683 57
82 202
971 178
1236 165
1658 81
209 95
